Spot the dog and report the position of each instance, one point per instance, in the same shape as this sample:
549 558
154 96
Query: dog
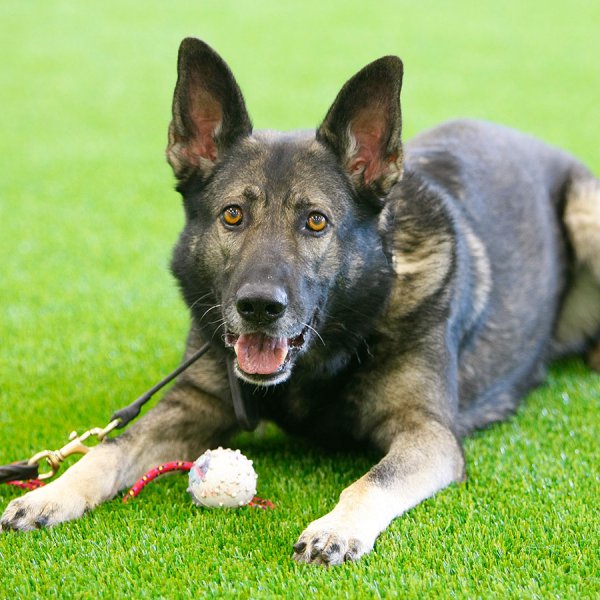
381 295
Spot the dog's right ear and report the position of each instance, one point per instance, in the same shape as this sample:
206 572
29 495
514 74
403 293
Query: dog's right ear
209 113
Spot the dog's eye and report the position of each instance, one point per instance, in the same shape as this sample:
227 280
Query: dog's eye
232 215
316 222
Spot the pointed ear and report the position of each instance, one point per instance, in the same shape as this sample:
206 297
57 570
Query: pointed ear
364 124
209 113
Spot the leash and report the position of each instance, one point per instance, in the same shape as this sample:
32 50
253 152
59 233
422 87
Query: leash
27 473
130 412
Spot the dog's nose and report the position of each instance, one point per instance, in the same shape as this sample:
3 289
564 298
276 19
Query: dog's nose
260 303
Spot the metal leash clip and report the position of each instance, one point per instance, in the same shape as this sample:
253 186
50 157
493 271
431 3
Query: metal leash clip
75 446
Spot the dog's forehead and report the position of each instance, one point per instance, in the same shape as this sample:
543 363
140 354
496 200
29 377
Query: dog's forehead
281 164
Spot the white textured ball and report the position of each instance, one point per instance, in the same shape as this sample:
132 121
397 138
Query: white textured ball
222 478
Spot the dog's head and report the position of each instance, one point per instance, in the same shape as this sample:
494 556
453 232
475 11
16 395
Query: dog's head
283 256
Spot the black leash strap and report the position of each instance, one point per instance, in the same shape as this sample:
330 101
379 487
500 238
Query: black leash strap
244 410
18 471
127 414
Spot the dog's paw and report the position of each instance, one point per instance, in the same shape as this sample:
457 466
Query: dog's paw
331 540
42 508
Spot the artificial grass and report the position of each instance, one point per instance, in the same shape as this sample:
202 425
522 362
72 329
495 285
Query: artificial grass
90 316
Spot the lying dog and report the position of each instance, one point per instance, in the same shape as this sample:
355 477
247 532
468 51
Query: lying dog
395 298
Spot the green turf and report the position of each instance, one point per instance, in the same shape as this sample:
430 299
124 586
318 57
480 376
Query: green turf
90 316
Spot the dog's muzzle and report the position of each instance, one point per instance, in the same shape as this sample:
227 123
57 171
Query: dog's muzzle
264 352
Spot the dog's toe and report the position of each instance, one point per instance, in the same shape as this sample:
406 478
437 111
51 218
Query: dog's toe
331 549
41 508
15 517
20 515
328 547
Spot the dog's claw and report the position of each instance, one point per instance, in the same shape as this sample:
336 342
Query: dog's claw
327 548
299 547
15 518
42 508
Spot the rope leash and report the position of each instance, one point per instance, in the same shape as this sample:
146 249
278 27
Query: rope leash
32 484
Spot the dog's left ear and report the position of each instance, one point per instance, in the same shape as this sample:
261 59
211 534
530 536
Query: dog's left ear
363 126
209 113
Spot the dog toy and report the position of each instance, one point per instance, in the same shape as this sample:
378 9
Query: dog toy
222 478
213 479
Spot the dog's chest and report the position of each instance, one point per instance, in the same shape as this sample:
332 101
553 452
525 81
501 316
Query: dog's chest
320 412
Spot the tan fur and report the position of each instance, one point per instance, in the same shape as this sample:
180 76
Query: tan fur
419 274
483 272
582 218
580 315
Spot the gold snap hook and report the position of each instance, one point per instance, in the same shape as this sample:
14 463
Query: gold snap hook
75 446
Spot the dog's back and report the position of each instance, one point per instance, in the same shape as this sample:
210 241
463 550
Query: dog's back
508 193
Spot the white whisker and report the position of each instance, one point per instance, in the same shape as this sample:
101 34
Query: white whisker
217 329
207 311
221 320
200 299
316 332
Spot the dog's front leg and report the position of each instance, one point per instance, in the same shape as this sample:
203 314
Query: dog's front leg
180 427
418 464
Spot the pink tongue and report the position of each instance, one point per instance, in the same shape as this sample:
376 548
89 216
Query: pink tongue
260 354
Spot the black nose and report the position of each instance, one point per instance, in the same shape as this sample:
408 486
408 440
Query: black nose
261 303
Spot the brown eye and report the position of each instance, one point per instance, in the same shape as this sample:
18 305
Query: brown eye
316 222
232 215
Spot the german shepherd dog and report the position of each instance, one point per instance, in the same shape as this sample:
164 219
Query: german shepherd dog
381 296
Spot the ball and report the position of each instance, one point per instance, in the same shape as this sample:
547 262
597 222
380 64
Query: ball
222 478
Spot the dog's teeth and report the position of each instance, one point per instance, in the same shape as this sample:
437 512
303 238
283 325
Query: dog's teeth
231 339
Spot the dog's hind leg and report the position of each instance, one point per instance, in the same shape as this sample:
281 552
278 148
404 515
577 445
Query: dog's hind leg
578 327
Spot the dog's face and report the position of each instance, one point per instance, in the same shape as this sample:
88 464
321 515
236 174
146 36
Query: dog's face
279 227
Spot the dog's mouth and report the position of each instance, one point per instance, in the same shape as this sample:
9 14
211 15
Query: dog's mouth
262 359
